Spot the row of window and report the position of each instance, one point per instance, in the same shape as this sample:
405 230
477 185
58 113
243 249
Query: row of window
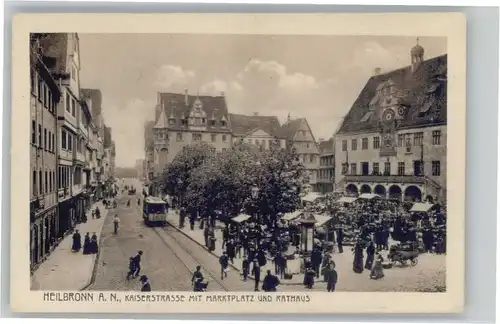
198 122
307 158
197 137
418 168
45 140
326 160
43 182
65 176
404 140
326 174
42 91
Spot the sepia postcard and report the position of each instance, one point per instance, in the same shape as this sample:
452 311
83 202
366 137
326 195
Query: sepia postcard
238 163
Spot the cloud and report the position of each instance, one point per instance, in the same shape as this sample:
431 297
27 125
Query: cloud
173 76
127 123
216 86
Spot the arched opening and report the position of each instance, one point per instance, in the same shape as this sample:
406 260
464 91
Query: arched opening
365 189
380 190
429 199
395 192
412 193
351 189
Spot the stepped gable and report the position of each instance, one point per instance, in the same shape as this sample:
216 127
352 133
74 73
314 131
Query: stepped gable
424 94
242 125
214 106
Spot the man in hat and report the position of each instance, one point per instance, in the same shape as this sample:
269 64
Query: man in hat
145 283
197 275
137 263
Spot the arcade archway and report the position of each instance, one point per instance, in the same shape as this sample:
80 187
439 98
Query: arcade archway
365 189
413 193
380 190
351 189
395 192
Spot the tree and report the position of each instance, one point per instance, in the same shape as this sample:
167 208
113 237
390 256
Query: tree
177 176
223 182
279 178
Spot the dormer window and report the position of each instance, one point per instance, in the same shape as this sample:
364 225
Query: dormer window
212 122
203 121
171 121
223 124
184 122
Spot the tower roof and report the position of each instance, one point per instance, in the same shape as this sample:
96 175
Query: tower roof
162 120
417 50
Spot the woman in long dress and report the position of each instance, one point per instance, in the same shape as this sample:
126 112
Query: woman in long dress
378 270
357 265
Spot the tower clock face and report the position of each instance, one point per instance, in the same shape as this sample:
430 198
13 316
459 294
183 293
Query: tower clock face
388 115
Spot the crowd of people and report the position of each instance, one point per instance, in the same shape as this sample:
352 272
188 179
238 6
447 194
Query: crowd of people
368 225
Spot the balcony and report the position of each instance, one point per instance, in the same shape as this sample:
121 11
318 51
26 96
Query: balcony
79 158
386 178
76 189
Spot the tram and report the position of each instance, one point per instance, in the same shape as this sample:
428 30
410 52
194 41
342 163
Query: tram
154 211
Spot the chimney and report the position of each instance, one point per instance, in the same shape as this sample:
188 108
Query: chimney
256 114
376 71
186 98
158 99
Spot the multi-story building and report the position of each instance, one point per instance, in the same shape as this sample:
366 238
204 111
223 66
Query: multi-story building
149 151
299 136
112 160
184 119
45 96
93 98
393 140
326 171
262 131
61 54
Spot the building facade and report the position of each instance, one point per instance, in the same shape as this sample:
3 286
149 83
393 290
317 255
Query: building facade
261 131
299 136
149 169
393 140
45 96
183 119
326 171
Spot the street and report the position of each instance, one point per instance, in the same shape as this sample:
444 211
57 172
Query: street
168 259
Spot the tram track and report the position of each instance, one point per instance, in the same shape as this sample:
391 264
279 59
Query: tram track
186 258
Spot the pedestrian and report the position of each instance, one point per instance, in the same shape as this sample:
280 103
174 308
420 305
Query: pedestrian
378 270
370 255
137 263
316 260
340 239
224 263
256 274
245 265
138 202
77 242
270 282
197 275
116 223
309 276
230 248
331 277
93 214
131 268
93 244
146 286
86 244
357 264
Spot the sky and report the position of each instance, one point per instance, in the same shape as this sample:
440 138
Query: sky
316 77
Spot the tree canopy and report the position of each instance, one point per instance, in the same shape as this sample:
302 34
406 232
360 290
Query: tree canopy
243 179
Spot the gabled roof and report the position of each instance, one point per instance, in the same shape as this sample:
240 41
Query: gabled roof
214 106
326 147
55 48
243 125
424 97
162 120
291 127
